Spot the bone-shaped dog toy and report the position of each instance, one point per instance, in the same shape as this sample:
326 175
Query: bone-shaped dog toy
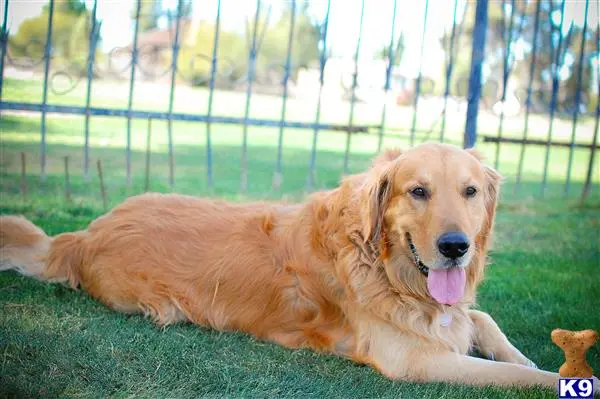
575 344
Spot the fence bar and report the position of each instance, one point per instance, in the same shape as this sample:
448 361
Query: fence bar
577 96
419 77
562 144
354 84
587 187
477 57
506 50
388 76
449 70
23 176
148 154
555 88
312 173
4 44
47 55
113 112
102 186
88 97
213 71
277 177
251 71
507 67
534 45
455 35
172 96
5 17
134 56
67 181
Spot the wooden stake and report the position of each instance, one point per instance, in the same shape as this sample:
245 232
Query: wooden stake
148 147
67 181
102 188
23 176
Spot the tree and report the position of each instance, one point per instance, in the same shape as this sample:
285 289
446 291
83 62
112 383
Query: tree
233 51
150 12
71 26
76 7
384 53
194 63
523 30
305 46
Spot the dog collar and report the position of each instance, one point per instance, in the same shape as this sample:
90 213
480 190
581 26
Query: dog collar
420 265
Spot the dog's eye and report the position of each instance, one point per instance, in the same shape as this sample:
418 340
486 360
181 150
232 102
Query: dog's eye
419 193
470 191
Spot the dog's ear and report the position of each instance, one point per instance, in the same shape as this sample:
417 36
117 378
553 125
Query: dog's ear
386 156
376 195
491 191
476 154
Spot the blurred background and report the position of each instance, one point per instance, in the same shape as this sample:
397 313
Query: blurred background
272 98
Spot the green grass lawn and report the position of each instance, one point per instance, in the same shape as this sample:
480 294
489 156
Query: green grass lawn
59 342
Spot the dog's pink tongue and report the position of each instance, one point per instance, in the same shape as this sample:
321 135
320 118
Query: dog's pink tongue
447 286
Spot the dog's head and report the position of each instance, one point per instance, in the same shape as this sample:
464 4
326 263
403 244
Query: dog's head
430 210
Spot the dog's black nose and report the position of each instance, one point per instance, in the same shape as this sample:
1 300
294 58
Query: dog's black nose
453 244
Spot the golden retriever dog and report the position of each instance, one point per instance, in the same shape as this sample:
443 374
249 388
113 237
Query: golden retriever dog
382 269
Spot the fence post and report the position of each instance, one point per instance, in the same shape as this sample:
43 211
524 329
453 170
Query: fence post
213 72
252 56
176 48
148 154
102 186
277 176
312 173
587 187
477 57
67 181
3 44
23 176
47 56
134 62
93 41
353 90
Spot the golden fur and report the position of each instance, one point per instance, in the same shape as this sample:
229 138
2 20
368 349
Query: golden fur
334 274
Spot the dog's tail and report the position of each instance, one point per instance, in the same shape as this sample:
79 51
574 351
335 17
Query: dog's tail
25 248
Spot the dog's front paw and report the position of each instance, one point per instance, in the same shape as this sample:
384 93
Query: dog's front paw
515 356
526 362
532 364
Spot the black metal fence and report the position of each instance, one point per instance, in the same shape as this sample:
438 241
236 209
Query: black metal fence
527 59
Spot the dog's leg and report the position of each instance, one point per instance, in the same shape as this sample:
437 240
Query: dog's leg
492 343
453 367
404 362
404 357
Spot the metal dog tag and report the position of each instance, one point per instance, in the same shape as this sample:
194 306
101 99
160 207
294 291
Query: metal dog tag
445 319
